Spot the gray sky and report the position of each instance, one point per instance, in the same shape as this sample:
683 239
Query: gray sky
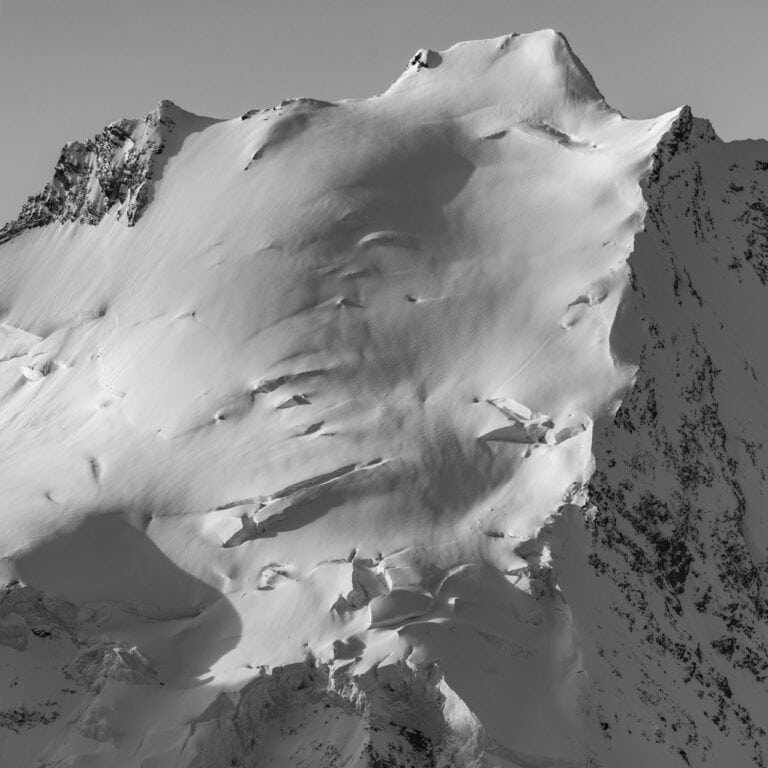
68 67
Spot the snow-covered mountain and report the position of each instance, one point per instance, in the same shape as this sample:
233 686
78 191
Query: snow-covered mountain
422 430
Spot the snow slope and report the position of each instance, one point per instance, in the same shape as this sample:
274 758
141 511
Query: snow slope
310 437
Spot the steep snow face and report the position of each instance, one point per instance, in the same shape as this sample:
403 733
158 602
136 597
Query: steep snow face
281 456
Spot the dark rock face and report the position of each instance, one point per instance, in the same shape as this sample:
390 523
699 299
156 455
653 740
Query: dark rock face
425 59
678 492
112 170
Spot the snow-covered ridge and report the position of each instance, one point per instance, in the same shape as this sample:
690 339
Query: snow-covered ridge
321 461
114 170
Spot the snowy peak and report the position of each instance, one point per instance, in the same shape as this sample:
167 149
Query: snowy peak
687 134
537 73
367 445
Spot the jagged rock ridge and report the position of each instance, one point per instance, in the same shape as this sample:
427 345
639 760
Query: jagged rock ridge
113 170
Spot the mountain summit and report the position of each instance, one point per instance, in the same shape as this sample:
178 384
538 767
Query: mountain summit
536 72
414 431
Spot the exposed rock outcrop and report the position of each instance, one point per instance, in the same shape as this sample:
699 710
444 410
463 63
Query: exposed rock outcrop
112 171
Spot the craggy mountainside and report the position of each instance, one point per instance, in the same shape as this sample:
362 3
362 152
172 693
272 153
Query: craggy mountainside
677 534
113 171
421 431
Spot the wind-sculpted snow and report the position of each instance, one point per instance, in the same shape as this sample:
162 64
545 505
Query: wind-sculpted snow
341 455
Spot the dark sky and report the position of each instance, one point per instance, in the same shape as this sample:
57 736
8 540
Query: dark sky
68 67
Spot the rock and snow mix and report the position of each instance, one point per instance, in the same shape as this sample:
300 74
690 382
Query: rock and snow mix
421 430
